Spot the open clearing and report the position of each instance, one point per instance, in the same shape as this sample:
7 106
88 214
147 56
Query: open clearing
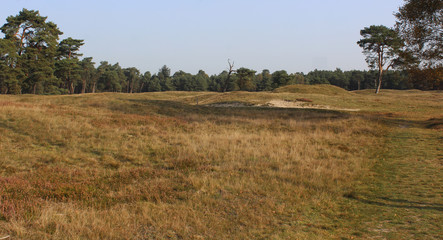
172 165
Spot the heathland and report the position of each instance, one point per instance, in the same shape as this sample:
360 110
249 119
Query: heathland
302 162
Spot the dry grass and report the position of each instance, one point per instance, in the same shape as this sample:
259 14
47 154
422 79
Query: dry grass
157 166
325 89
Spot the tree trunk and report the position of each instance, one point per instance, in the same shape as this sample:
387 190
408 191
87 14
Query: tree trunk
35 88
227 82
141 87
84 86
93 87
71 88
359 84
379 81
131 87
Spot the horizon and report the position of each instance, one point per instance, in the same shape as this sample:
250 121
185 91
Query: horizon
295 36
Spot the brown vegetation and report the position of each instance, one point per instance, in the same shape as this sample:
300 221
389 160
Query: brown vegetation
151 166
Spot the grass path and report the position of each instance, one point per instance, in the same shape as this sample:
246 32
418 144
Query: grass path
402 197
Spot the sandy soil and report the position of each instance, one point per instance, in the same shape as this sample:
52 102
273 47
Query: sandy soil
299 104
282 104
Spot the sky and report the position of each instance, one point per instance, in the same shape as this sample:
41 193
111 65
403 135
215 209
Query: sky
189 35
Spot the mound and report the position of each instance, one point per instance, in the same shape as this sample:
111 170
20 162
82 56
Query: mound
324 89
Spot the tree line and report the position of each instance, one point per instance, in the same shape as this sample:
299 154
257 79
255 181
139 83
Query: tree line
34 60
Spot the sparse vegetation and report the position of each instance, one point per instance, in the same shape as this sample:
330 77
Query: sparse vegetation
159 166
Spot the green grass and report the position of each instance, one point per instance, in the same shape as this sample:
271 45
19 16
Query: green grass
403 197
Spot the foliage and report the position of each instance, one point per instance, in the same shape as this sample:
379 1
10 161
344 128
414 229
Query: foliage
427 79
68 48
182 81
34 42
201 81
9 76
111 77
67 67
144 81
154 84
420 24
164 77
280 78
69 71
89 75
264 81
132 78
382 46
245 79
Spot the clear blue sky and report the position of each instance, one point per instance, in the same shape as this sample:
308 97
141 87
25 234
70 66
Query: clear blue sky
188 35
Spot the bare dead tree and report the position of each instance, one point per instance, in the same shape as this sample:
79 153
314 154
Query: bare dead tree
231 70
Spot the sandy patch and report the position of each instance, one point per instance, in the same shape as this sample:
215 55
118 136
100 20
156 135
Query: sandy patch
299 104
280 104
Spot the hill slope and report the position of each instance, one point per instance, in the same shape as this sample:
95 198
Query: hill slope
324 89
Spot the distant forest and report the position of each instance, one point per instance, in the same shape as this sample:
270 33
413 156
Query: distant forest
33 60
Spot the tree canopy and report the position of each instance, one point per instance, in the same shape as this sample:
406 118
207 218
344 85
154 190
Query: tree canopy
382 46
420 24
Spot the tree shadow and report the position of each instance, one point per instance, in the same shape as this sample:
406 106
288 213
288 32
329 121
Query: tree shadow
396 203
432 123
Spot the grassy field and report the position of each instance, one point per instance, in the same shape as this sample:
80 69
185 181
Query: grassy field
331 164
